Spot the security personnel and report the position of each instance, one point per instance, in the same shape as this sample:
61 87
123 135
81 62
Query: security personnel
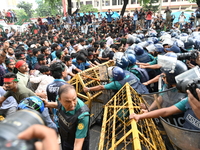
119 78
190 106
73 117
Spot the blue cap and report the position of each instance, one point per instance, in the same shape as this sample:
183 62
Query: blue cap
174 49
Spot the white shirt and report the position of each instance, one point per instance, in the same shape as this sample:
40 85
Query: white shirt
69 69
43 81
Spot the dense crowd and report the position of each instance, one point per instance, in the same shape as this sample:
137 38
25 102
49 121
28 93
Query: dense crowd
50 53
8 16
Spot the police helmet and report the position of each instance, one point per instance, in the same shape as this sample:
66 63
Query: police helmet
130 39
139 50
171 54
165 36
141 36
162 33
153 34
110 72
159 48
155 40
123 62
183 37
171 74
189 44
197 44
179 43
32 102
131 59
118 74
137 40
174 34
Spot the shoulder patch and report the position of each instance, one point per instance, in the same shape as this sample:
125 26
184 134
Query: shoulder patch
80 126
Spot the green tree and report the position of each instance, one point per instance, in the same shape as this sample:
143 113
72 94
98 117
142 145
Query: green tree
56 5
150 4
44 9
21 17
87 8
27 8
196 1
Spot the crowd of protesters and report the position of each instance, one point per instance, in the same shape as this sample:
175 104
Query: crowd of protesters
8 16
74 43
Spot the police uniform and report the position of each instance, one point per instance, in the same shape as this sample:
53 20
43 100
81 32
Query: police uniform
191 121
74 125
132 80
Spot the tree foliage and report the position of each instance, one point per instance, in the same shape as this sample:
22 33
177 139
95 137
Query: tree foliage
44 9
150 4
27 8
195 1
87 8
21 17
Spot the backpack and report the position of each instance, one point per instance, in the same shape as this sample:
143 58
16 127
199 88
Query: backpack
198 14
143 73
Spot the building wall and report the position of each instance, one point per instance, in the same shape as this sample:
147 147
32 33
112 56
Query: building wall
116 5
8 4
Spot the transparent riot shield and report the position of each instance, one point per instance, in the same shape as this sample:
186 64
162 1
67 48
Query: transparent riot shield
163 99
181 138
160 100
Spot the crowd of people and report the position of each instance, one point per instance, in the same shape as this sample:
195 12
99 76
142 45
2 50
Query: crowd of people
8 16
35 65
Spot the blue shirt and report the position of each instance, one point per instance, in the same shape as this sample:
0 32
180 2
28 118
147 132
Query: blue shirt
82 66
53 55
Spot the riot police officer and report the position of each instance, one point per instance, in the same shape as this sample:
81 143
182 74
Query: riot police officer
119 78
73 117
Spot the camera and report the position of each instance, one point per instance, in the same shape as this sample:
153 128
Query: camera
189 80
15 124
189 55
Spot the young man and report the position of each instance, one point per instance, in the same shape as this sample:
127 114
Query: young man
73 117
43 79
41 61
80 62
59 72
10 65
70 67
46 51
22 74
14 89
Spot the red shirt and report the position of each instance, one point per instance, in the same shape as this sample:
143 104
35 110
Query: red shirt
40 21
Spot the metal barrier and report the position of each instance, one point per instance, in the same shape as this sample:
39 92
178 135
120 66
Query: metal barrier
118 132
1 118
88 78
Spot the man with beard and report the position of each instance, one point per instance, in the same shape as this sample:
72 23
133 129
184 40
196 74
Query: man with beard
14 89
22 74
11 53
10 65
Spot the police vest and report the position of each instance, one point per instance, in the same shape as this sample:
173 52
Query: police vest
191 121
134 83
68 126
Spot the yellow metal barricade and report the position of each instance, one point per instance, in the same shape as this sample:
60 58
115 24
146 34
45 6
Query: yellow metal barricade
89 78
118 132
1 118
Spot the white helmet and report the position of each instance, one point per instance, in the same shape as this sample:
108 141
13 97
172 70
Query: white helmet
165 36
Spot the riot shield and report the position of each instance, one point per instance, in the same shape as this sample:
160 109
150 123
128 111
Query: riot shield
182 138
163 99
